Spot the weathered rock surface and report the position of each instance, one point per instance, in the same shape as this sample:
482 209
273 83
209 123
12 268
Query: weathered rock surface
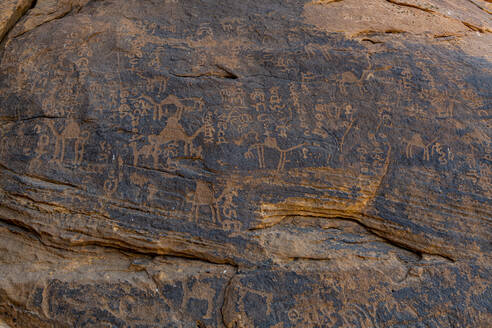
10 12
245 163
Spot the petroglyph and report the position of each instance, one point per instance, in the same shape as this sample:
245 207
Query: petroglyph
417 142
270 142
71 133
217 163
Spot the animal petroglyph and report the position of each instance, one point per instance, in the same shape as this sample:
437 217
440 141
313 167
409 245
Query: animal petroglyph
71 132
349 78
204 196
155 83
417 142
173 132
180 105
171 135
311 48
270 142
145 150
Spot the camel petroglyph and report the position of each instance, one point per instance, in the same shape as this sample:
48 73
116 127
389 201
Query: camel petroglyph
71 131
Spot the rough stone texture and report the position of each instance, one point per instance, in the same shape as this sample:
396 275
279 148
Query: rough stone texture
10 12
245 163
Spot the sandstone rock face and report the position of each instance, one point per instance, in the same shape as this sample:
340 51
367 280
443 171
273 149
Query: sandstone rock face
10 12
245 163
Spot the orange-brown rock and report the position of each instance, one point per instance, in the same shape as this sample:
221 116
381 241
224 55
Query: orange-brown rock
245 163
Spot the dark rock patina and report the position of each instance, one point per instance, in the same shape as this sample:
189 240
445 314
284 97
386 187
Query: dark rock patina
245 163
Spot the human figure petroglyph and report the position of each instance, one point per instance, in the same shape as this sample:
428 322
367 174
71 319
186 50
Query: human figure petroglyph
349 112
303 115
73 132
349 124
385 119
